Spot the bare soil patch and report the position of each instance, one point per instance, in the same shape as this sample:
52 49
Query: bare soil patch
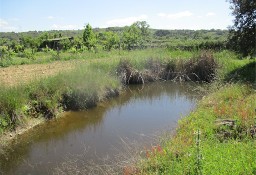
21 74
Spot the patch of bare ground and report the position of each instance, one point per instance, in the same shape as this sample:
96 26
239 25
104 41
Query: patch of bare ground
20 74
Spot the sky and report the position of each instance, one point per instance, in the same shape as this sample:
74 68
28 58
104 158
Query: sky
43 15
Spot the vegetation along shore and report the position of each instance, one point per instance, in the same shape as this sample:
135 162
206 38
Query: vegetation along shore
43 74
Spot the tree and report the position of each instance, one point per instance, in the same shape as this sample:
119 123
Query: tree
131 37
144 28
89 37
145 33
136 35
110 40
29 42
65 44
161 33
243 33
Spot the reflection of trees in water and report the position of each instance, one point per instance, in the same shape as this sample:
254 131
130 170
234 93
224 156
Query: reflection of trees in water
57 129
152 91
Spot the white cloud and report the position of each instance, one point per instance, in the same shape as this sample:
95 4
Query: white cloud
13 19
6 27
210 14
161 14
50 17
176 15
64 27
126 21
3 23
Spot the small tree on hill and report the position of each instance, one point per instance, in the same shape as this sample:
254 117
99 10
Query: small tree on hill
132 37
242 35
89 37
145 33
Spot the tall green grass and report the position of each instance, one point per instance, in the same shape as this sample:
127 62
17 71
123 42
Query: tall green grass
47 57
43 97
229 63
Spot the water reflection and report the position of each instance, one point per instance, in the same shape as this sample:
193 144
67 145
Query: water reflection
140 110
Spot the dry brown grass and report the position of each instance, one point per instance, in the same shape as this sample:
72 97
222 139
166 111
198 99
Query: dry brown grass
14 75
21 74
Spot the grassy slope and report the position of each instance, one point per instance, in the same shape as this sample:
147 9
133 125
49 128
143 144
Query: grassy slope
217 149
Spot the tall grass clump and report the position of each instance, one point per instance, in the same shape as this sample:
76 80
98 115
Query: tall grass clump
92 85
201 68
12 101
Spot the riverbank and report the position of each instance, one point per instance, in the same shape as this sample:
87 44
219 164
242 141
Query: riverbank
219 137
26 105
92 82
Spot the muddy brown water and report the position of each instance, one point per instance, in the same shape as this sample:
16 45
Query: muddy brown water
138 115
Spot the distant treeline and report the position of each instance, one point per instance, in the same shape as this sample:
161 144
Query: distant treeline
137 36
156 33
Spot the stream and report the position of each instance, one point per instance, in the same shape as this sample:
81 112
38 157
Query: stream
140 114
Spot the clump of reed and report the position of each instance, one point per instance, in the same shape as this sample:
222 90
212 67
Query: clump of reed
198 69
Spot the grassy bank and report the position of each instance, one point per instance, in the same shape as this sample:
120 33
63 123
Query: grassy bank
219 137
78 89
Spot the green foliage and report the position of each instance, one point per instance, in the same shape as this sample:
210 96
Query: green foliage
131 37
110 40
136 35
11 100
5 52
243 33
232 68
5 56
89 37
28 53
245 73
65 44
161 33
144 28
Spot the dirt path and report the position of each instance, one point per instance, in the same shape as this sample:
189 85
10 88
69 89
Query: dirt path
20 74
